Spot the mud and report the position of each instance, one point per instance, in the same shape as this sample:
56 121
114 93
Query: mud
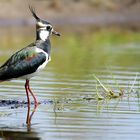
15 103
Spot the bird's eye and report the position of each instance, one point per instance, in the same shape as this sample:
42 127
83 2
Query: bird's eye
48 28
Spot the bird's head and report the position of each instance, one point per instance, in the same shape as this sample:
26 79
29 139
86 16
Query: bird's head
43 27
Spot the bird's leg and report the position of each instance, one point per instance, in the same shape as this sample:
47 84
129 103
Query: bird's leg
35 100
28 99
27 93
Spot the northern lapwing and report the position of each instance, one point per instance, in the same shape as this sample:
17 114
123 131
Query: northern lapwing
30 60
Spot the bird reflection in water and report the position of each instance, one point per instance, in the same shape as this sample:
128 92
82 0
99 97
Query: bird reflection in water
30 114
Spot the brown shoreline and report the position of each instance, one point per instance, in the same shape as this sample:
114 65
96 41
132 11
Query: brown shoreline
103 20
77 12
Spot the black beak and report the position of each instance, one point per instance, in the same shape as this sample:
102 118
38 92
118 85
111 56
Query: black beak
55 33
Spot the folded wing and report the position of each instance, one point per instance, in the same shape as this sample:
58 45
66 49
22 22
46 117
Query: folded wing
24 62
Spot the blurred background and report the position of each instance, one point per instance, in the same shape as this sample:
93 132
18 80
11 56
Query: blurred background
62 12
86 27
99 37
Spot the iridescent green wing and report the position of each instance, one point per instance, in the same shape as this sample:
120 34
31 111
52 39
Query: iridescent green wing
25 61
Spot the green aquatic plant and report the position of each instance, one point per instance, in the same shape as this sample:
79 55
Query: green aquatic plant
109 92
98 95
131 88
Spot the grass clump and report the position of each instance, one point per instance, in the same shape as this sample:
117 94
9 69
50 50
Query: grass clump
109 94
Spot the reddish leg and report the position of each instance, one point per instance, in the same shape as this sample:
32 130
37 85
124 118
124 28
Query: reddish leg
28 90
35 100
28 99
27 93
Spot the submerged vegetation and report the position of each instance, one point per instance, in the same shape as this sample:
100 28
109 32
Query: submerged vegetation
104 97
107 94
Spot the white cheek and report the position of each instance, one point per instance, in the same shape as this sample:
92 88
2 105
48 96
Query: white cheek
44 35
41 24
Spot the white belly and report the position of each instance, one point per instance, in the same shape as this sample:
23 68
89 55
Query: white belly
28 76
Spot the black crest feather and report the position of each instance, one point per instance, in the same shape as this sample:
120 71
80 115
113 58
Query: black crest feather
33 13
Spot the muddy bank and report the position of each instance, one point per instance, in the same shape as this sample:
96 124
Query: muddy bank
76 12
98 21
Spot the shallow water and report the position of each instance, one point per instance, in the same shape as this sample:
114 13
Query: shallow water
67 89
